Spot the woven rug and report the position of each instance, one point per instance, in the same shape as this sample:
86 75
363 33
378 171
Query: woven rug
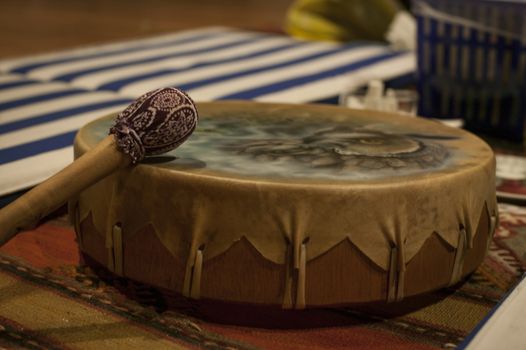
47 300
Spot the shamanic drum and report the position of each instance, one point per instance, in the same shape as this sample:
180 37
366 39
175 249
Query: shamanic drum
298 206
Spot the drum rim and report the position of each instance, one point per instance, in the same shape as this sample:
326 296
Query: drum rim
81 146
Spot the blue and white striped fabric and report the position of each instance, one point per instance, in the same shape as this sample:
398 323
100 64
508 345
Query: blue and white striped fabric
45 99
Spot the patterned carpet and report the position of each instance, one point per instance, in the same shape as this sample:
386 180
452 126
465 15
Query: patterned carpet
47 301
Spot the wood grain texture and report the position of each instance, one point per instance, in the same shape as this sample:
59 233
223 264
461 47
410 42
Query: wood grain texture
242 274
93 243
146 260
430 268
475 255
343 275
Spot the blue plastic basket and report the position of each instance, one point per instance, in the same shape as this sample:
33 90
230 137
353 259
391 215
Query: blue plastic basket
472 63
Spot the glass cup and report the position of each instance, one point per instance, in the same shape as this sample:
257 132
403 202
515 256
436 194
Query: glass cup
400 101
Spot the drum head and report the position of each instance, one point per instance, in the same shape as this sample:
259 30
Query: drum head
313 144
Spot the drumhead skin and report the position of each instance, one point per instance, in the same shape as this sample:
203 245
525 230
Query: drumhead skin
295 205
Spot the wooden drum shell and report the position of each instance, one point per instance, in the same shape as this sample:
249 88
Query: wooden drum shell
352 278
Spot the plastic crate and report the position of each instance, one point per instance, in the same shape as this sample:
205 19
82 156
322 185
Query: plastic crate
472 63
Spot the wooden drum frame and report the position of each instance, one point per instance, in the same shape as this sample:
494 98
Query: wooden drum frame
296 206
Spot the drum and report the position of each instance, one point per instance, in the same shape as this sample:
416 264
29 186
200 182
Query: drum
295 205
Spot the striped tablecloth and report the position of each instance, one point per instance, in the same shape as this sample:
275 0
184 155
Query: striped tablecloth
45 99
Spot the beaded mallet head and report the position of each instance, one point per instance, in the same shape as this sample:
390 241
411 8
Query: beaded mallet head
155 123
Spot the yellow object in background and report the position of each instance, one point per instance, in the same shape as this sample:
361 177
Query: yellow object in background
341 20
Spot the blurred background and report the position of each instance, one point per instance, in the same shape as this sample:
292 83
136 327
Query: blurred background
32 26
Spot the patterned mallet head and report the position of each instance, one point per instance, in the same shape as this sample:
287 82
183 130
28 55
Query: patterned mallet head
155 123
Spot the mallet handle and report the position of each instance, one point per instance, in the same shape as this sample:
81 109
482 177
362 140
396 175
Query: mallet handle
42 200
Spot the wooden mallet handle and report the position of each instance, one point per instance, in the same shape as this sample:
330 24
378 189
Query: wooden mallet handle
155 123
34 205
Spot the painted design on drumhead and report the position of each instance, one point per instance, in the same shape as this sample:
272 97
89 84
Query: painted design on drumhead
295 144
347 148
